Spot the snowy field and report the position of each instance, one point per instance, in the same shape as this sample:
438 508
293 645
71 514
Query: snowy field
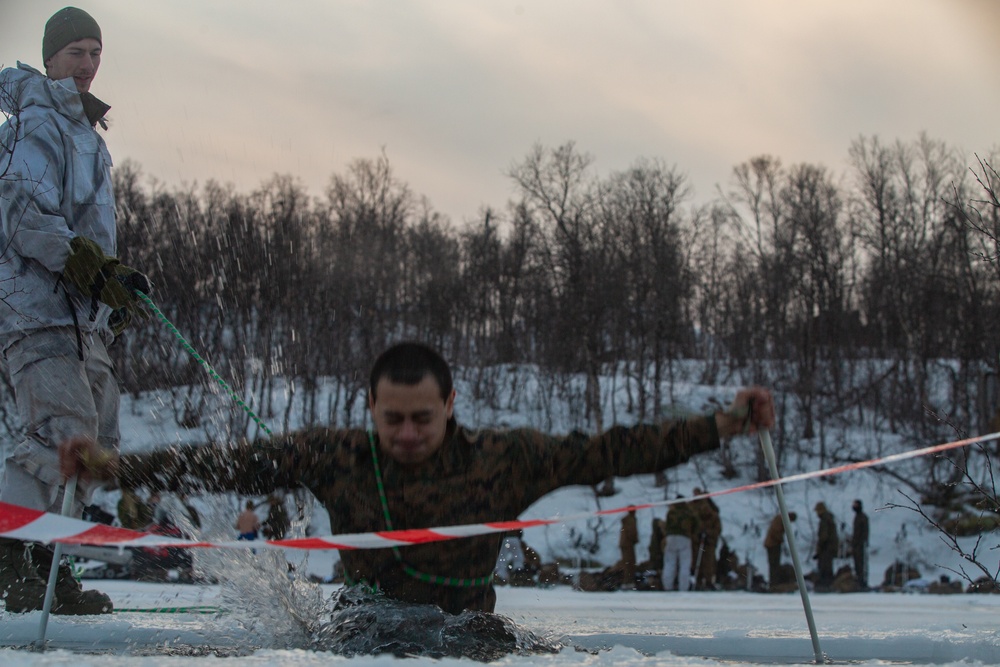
621 628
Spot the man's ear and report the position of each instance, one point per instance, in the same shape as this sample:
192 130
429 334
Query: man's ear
449 405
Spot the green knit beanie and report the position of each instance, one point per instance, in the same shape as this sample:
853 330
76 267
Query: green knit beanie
66 26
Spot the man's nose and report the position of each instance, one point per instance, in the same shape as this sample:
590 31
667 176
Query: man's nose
408 429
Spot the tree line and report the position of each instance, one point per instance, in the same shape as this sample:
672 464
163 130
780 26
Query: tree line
865 298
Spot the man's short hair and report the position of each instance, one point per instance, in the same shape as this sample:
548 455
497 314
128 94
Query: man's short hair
409 363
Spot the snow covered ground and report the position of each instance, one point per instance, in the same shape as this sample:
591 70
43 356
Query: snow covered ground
621 628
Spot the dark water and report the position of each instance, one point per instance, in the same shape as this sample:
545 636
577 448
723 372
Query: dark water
359 623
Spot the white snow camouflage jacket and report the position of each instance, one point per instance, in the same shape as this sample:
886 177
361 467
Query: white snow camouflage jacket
55 183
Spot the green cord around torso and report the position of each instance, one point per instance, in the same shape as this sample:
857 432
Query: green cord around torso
458 582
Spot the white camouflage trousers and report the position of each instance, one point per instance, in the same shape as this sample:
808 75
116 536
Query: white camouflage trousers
677 563
57 396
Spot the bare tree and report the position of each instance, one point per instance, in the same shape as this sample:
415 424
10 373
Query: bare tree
640 211
557 191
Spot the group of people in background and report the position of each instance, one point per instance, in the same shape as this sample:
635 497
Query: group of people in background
153 514
686 543
691 535
828 546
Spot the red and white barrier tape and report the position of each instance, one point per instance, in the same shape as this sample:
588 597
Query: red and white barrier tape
32 525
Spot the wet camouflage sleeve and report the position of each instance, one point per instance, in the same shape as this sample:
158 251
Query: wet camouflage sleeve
551 462
251 468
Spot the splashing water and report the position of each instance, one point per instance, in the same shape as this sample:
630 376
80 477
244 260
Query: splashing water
269 600
279 608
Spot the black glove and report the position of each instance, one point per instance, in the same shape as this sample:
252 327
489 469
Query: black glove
134 281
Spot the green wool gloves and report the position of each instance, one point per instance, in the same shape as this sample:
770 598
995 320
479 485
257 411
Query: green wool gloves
106 280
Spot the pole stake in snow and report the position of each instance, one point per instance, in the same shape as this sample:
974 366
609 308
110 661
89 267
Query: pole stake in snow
69 492
765 443
197 357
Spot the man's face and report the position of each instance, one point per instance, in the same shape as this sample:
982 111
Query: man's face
411 420
79 60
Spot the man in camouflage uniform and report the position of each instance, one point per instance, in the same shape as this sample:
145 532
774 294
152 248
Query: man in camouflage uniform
681 528
628 537
706 544
773 540
656 540
420 469
827 544
859 544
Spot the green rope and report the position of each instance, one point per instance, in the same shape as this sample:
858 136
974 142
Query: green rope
194 353
197 609
457 582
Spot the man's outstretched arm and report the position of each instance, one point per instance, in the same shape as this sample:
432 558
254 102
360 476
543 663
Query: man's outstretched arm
248 467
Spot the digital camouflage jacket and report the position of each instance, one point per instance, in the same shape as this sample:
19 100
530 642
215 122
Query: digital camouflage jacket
56 184
475 477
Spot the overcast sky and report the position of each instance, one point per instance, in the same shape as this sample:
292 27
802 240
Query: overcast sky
455 91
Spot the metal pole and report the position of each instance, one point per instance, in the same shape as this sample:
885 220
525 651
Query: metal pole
697 562
69 492
765 443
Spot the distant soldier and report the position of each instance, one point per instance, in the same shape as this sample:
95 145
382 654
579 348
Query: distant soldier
192 512
859 544
132 512
277 522
627 540
682 525
657 536
826 545
532 561
510 558
708 539
772 543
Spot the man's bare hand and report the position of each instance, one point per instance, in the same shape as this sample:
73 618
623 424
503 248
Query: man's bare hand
752 410
80 456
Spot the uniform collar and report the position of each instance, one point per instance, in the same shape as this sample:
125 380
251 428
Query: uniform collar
94 109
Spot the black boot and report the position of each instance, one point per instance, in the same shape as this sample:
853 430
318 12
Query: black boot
70 598
21 589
